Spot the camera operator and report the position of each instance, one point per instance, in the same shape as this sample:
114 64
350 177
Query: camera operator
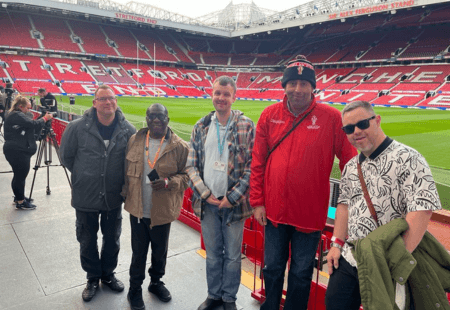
44 95
20 145
9 91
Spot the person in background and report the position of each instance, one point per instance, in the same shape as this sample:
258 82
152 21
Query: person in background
20 145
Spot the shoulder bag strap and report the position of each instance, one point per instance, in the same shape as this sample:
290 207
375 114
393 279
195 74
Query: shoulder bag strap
366 195
287 134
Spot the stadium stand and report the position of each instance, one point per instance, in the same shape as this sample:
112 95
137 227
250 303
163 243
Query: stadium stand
242 60
79 88
142 73
392 44
31 87
154 45
56 34
368 22
99 72
438 15
267 60
64 69
353 96
215 59
26 68
429 44
118 73
16 30
126 44
179 53
93 38
328 77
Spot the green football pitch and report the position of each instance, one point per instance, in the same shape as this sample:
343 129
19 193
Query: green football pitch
428 131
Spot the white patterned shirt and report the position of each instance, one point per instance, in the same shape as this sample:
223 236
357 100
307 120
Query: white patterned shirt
398 180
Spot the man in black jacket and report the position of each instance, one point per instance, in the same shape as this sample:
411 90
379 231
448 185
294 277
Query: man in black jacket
93 149
44 95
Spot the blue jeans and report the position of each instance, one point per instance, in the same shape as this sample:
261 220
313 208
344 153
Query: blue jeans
223 245
276 255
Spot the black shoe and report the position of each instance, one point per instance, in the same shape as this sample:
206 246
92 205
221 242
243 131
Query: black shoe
159 289
27 199
90 290
135 299
210 304
229 305
113 283
25 205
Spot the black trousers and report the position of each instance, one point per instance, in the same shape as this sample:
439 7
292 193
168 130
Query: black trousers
141 237
20 164
343 288
99 265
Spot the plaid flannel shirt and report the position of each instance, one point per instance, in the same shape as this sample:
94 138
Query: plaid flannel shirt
240 139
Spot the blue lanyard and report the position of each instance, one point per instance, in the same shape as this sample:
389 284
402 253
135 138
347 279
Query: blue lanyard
221 145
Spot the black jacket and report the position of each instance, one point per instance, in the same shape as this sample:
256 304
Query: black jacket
50 96
97 171
19 132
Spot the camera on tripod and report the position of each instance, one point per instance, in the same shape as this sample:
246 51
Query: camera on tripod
47 129
48 105
9 91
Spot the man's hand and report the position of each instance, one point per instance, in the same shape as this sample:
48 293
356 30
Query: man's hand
333 259
212 200
158 184
260 215
224 203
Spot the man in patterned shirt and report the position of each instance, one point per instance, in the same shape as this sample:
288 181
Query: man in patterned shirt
219 170
400 185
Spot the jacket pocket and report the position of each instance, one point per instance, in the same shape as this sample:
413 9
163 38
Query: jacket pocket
133 170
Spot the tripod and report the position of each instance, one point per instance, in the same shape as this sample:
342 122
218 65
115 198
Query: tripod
2 137
47 138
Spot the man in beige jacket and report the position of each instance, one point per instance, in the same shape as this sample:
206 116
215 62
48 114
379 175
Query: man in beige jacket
155 182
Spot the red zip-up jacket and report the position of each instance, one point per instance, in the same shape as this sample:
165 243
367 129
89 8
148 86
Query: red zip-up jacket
293 184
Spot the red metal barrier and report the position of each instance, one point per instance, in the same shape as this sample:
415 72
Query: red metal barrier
58 126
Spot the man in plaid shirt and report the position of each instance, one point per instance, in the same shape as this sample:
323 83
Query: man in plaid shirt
219 170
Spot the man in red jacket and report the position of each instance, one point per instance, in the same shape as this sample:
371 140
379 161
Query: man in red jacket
289 183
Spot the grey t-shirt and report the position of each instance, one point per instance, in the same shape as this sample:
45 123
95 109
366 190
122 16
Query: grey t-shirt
215 180
153 146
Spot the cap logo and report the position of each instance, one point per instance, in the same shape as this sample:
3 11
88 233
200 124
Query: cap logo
300 70
301 64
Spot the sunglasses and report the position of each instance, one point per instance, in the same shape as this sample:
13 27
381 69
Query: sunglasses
161 117
364 124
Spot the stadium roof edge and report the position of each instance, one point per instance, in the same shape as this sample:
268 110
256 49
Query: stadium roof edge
160 18
317 11
320 11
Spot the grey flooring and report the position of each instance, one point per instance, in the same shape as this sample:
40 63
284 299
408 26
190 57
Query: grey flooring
39 255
